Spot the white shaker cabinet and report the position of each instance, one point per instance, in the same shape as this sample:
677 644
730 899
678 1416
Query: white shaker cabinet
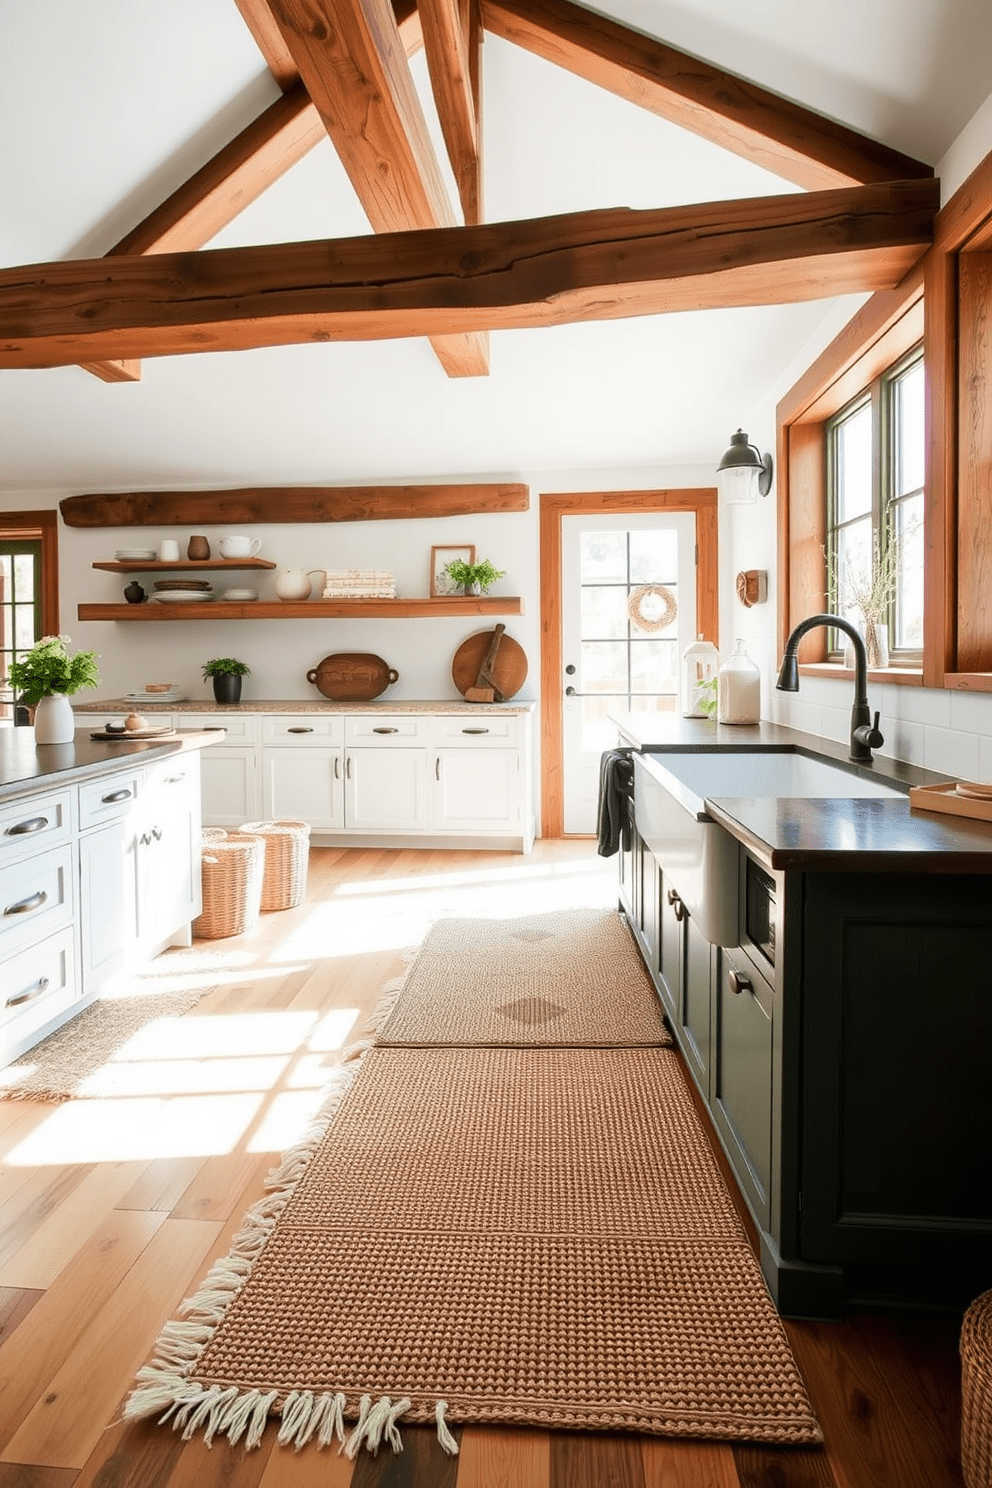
303 769
229 769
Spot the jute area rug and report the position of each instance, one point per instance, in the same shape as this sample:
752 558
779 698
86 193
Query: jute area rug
82 1058
573 977
533 1236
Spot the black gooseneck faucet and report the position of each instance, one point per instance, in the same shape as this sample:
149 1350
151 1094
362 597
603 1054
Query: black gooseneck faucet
864 734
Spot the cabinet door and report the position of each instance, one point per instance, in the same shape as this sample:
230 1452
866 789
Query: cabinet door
476 790
229 793
695 1031
304 784
625 865
649 908
386 790
109 868
742 1098
169 850
671 918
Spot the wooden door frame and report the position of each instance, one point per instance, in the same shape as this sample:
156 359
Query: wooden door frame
43 525
701 501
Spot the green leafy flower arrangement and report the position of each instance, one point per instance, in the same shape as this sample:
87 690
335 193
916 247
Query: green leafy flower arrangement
706 695
484 574
225 666
48 668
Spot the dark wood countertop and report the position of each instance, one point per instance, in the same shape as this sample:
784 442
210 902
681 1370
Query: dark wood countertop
26 766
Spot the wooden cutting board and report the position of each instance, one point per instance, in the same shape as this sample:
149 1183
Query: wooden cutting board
509 671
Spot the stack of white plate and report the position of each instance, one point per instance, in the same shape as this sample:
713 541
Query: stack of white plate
239 596
136 555
174 695
182 596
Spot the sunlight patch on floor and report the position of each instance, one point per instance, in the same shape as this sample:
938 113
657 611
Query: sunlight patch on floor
287 1119
138 1130
183 1077
219 1035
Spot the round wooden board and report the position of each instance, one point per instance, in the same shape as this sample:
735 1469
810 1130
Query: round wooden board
509 670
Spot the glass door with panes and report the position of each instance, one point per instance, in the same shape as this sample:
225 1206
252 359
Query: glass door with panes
628 612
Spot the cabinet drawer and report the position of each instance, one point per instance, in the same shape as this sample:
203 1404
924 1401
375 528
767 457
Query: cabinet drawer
401 728
34 825
109 797
742 1099
498 729
239 728
39 984
300 730
35 897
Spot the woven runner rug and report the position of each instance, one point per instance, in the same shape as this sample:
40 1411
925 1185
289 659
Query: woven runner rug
529 1236
570 977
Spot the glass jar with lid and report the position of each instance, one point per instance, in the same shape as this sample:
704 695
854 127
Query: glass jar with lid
739 689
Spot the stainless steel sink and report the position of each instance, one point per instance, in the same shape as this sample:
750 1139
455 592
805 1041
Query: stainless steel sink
697 854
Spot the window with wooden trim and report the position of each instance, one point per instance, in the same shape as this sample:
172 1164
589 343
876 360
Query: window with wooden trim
28 592
874 521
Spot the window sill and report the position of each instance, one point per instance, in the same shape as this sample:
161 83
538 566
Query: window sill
900 676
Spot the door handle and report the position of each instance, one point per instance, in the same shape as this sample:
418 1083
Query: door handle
41 985
437 768
475 731
33 824
299 731
385 730
738 982
25 906
121 795
347 767
337 767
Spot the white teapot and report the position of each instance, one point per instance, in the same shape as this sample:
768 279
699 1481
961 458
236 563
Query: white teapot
236 545
294 583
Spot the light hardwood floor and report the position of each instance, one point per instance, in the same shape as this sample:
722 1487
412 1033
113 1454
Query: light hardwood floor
112 1207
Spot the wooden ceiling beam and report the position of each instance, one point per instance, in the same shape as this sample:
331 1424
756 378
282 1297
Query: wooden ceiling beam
544 271
351 60
269 39
797 144
451 28
222 188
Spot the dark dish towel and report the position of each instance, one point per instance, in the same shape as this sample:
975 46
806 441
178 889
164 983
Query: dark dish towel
616 786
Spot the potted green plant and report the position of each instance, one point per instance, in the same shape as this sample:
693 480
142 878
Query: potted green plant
475 578
226 674
45 680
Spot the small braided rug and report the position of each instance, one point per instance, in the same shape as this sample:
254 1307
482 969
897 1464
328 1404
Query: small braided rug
570 977
530 1236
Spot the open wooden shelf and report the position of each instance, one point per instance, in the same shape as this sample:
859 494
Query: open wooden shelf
310 609
186 565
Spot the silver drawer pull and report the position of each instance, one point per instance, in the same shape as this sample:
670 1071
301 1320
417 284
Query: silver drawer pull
41 985
33 824
174 779
121 795
25 906
475 731
385 730
299 731
337 767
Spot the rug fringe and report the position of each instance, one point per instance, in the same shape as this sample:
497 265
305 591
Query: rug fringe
380 1014
164 1383
444 1436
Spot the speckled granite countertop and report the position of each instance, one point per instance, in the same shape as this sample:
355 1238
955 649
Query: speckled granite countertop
302 705
26 766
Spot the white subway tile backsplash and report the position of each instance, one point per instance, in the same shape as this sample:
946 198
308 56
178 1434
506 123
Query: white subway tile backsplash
796 713
836 723
928 705
985 758
952 751
971 711
903 741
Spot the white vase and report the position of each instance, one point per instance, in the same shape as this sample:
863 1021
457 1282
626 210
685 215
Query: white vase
54 720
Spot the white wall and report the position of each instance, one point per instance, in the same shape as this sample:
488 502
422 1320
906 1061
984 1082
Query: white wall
280 652
943 730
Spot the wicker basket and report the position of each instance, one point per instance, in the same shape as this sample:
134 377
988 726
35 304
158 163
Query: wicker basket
232 867
287 849
976 1393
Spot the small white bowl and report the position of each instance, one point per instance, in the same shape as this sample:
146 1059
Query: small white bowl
239 596
136 555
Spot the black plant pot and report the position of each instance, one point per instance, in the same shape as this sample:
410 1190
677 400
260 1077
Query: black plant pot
227 688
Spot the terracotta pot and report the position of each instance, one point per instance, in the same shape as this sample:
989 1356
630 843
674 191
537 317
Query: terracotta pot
352 676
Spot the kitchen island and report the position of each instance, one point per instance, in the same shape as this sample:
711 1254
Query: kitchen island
820 959
99 869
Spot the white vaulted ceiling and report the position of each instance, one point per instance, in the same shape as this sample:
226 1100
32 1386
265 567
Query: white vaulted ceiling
107 107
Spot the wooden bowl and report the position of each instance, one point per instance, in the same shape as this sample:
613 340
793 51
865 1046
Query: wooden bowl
352 676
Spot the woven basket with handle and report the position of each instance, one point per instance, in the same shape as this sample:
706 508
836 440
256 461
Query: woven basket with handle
232 867
287 848
976 1393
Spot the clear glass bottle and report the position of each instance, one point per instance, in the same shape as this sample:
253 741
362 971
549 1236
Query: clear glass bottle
739 689
699 665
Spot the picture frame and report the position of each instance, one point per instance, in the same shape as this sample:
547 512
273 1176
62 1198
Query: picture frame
441 586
